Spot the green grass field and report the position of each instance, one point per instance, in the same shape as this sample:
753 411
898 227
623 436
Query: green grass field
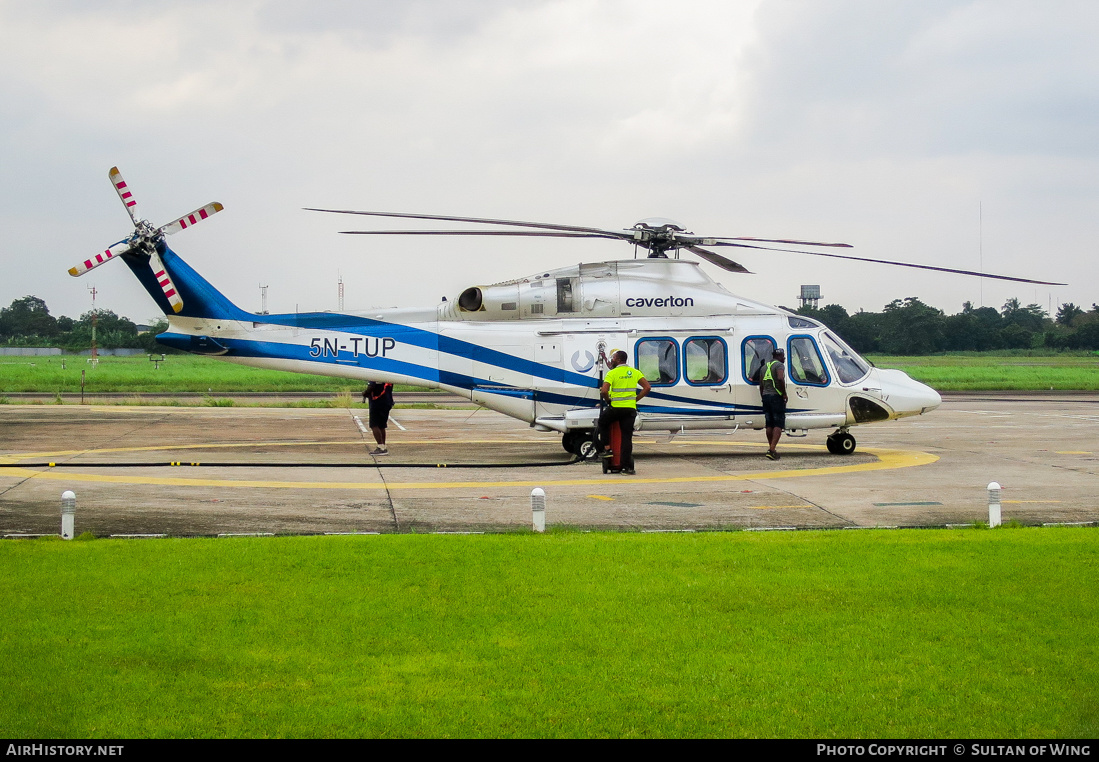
190 373
179 373
978 371
880 634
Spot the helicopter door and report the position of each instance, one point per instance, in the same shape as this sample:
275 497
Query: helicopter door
706 371
807 375
547 382
657 358
754 352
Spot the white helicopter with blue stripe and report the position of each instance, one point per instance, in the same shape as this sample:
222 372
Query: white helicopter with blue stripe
533 348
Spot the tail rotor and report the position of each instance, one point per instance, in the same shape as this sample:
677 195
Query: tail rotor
146 239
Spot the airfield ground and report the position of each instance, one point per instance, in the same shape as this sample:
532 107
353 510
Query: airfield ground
299 471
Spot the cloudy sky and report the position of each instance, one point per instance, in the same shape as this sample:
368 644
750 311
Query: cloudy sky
942 132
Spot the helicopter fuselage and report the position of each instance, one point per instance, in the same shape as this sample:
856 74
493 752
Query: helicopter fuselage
532 349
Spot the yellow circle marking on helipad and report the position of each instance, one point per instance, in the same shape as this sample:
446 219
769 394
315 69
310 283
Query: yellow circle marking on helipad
887 459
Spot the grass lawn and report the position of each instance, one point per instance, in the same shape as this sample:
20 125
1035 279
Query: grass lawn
979 371
973 371
881 634
178 373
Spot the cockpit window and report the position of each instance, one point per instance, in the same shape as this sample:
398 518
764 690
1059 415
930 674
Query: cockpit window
797 321
849 366
806 364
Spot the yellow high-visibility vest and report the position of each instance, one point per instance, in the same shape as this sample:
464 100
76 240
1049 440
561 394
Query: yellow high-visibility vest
767 383
623 381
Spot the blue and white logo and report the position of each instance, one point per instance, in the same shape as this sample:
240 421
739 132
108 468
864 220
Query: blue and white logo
586 365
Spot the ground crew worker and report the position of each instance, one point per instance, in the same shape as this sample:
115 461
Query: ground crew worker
772 392
380 397
621 392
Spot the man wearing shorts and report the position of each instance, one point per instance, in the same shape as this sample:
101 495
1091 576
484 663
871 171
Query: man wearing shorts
380 397
772 391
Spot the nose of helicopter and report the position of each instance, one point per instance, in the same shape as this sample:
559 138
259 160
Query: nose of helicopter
906 395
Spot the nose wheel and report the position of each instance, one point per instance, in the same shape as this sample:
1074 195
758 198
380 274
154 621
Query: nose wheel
840 443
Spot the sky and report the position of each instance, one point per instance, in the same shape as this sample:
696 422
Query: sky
940 132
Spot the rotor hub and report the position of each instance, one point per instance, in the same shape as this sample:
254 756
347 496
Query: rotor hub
658 235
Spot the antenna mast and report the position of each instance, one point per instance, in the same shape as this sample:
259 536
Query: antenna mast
981 246
95 315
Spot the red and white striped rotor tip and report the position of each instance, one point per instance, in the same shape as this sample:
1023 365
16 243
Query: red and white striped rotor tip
99 259
124 194
193 218
165 281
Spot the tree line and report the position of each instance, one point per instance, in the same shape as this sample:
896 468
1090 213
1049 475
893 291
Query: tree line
28 323
903 327
910 327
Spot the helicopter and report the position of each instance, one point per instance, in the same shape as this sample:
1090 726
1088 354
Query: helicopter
534 348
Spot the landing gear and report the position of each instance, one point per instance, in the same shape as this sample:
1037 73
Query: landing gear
840 443
580 443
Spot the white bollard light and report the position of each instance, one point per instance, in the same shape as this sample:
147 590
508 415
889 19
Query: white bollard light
538 508
68 514
994 505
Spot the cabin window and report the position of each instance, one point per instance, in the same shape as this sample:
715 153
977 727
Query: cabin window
806 366
705 360
849 366
658 361
757 350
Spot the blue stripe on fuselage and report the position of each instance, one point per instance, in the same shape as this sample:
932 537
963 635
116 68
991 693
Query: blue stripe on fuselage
300 352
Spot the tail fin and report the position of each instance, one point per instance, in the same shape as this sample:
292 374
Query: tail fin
200 299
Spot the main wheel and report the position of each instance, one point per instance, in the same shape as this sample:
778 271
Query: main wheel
581 443
841 443
587 449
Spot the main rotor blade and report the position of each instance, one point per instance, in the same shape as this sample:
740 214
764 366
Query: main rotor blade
99 259
716 259
193 218
482 220
778 240
124 194
533 233
897 264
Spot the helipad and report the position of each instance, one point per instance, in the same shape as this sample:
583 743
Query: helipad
207 471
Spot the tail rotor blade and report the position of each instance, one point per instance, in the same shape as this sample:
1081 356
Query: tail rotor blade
165 282
193 218
124 194
99 259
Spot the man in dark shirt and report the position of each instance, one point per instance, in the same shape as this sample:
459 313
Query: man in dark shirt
772 391
380 397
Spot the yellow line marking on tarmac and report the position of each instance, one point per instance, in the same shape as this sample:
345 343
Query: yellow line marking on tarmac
15 458
601 497
888 459
773 507
1073 452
